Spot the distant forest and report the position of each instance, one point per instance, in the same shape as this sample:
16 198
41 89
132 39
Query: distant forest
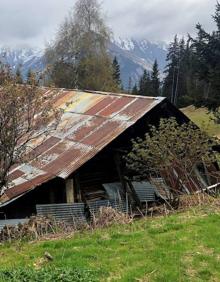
192 74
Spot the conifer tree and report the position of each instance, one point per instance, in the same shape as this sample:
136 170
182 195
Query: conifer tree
129 85
145 86
192 74
171 71
207 51
116 72
135 89
155 81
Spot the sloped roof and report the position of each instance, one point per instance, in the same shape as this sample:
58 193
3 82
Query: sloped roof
90 121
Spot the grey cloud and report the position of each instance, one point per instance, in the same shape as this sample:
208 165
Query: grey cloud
26 20
160 19
36 21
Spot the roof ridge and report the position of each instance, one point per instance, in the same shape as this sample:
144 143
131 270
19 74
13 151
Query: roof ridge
105 93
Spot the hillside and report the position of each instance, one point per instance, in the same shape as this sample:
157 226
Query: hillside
133 55
25 59
203 119
181 247
136 55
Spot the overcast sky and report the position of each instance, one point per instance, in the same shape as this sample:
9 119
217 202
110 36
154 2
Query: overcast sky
35 22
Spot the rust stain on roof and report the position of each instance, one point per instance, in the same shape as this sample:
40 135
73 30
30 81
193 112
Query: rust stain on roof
90 121
87 128
105 131
101 105
116 106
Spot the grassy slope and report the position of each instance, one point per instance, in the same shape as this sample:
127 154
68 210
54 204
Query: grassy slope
203 119
182 247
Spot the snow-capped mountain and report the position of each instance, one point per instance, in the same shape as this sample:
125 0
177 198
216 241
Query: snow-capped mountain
136 55
23 58
133 55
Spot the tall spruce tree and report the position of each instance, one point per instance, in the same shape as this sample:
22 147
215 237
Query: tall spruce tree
176 80
130 85
145 86
192 74
155 81
171 71
135 90
116 72
207 50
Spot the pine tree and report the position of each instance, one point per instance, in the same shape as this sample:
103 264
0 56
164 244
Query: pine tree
192 74
116 72
155 81
207 51
171 71
216 17
145 86
130 85
135 90
29 76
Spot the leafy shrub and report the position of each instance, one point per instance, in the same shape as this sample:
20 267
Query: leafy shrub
47 275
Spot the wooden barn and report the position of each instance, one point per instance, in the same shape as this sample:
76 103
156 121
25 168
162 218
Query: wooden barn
79 165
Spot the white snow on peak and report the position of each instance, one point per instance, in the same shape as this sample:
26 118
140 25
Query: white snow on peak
124 43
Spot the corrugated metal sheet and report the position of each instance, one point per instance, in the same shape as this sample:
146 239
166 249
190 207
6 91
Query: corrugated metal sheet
69 213
90 121
12 222
145 191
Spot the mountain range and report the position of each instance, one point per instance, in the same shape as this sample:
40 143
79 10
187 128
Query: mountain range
133 56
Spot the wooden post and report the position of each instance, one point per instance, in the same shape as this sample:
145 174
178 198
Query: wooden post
77 186
120 174
52 195
69 190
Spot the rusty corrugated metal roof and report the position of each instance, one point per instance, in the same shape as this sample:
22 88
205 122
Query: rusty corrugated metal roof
90 121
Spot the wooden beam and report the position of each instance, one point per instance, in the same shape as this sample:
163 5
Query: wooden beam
69 190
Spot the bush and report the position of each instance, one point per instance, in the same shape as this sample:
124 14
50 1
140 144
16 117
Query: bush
47 275
108 216
185 101
34 228
181 154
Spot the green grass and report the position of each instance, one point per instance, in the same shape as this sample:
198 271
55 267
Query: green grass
203 119
181 247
